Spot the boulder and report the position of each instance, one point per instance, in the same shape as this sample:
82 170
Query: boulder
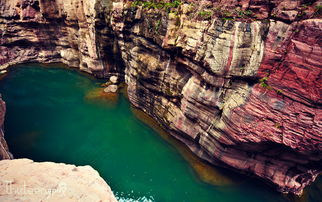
25 180
111 89
114 79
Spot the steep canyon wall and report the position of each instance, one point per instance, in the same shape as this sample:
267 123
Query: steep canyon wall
4 150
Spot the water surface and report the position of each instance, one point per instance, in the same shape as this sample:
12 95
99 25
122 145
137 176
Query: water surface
52 116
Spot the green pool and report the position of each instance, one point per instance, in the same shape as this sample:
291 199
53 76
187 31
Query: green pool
53 114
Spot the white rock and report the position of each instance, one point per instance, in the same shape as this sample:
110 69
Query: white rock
113 79
25 180
111 89
4 67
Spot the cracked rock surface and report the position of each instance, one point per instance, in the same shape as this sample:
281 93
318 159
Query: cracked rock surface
25 180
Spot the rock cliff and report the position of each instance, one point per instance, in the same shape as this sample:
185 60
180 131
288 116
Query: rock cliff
25 180
4 150
65 31
239 82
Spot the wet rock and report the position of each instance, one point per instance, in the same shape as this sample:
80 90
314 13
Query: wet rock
114 79
111 89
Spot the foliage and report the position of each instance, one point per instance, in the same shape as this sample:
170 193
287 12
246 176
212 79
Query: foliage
233 14
178 22
263 82
279 91
318 10
205 15
242 13
157 26
278 125
161 5
194 10
227 19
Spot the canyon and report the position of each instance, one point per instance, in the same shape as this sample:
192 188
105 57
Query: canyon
238 82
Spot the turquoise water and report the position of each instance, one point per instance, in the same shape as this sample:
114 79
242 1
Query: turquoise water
51 117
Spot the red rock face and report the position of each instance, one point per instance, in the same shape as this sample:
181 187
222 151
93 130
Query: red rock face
287 111
297 80
235 102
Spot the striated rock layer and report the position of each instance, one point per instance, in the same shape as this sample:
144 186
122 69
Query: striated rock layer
65 31
4 150
239 82
23 179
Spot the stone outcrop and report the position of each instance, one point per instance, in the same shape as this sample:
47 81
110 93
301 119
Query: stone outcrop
65 31
4 150
25 180
241 93
239 82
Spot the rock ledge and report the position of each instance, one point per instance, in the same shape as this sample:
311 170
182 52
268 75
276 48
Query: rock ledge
23 179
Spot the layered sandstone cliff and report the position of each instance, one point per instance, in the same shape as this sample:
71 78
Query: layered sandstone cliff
25 180
4 150
65 31
239 82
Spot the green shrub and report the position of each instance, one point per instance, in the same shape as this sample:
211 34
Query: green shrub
263 82
205 15
157 26
161 5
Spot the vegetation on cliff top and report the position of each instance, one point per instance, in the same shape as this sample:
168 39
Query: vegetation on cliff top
167 6
197 12
201 11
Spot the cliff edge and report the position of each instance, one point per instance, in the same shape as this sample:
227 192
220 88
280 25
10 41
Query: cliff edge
23 179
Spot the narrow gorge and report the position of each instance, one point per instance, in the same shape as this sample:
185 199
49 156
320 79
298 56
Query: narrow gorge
238 82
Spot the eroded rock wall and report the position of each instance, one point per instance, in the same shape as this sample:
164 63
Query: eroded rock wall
239 82
240 92
4 150
73 32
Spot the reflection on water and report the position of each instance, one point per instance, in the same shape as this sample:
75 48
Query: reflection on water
29 139
206 172
312 192
98 95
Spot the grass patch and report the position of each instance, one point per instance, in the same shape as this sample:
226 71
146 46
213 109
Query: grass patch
157 5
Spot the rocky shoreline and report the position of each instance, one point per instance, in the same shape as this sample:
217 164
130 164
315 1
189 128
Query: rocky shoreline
240 87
